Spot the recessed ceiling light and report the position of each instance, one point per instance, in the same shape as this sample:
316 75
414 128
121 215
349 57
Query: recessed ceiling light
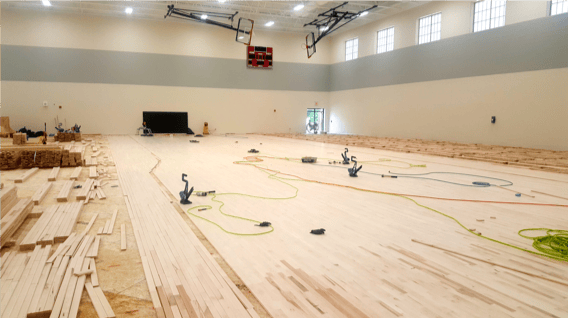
204 17
46 3
128 10
298 7
269 23
222 1
364 14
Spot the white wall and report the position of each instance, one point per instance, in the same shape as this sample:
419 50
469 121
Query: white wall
531 110
457 19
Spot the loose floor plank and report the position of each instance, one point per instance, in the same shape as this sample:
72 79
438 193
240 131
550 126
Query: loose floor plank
122 237
26 175
75 174
40 194
112 221
54 173
93 172
65 192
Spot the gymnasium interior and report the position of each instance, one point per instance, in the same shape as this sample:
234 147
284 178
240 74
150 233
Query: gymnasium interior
245 159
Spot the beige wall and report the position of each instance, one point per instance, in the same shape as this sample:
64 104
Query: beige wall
531 110
117 109
457 19
49 29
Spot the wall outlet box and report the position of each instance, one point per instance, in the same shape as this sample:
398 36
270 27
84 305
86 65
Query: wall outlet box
493 119
45 104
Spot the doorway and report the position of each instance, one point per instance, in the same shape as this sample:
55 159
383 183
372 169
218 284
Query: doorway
315 121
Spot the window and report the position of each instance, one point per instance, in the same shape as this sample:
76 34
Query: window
351 49
430 28
558 7
385 40
488 15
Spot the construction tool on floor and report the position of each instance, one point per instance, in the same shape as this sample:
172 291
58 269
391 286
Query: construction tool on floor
146 132
264 224
318 231
201 194
253 151
194 141
388 176
353 171
184 195
76 129
309 159
345 157
198 136
59 128
77 186
206 128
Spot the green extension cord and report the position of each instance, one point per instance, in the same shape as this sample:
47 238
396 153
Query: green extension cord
214 199
554 243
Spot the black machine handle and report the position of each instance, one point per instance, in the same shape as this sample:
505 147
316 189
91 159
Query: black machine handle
183 175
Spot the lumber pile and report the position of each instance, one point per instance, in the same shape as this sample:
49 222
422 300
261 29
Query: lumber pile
26 175
53 175
29 156
55 225
65 192
35 284
8 198
40 194
14 219
66 137
19 139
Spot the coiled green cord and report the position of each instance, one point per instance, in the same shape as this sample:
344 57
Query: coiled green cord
554 243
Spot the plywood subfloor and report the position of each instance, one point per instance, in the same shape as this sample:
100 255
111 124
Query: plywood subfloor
367 264
536 159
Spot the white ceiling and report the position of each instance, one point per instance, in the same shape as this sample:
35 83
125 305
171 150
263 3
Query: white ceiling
281 12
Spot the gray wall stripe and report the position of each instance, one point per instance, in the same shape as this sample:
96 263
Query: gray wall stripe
43 64
533 45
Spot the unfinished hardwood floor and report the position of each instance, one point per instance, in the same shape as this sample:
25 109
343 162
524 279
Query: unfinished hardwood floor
371 261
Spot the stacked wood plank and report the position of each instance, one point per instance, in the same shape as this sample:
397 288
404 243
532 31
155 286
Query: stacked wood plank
14 219
65 192
109 225
53 174
40 194
93 172
66 137
37 285
54 226
28 156
75 174
26 175
9 197
85 189
19 139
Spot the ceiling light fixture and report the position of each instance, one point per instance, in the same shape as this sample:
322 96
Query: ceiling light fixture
46 3
364 14
298 7
204 17
241 37
323 28
128 10
222 1
269 23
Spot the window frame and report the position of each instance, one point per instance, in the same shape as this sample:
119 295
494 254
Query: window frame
490 28
351 39
418 27
377 46
550 10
